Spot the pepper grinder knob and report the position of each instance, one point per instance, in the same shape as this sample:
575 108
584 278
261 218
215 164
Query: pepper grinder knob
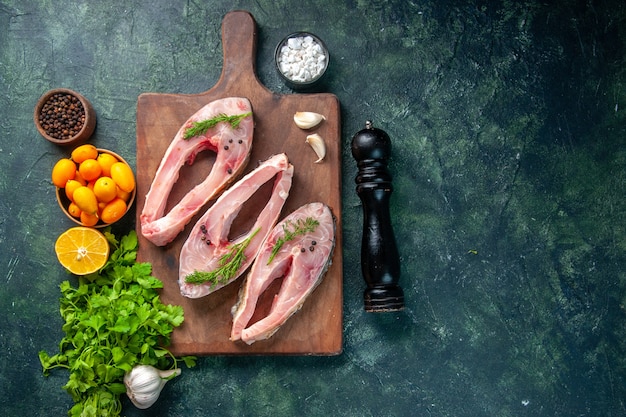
380 262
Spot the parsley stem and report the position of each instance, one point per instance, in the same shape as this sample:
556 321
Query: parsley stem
105 335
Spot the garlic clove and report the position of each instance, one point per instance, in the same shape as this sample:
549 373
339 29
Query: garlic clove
307 119
318 145
144 384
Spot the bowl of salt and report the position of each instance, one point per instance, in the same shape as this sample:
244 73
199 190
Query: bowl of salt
301 59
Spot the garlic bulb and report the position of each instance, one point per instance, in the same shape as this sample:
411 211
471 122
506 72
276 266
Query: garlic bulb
144 384
307 119
318 145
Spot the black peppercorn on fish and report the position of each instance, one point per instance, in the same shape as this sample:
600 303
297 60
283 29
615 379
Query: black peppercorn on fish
232 144
208 259
299 250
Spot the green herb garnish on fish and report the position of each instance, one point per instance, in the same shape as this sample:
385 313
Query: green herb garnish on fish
300 227
200 128
229 264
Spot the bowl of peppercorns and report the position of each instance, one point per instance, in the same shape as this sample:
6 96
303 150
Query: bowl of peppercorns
64 117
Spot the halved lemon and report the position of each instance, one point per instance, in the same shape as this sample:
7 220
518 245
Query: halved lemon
82 250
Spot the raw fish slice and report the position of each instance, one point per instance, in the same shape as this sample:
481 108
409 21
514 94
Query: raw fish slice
233 150
301 262
208 241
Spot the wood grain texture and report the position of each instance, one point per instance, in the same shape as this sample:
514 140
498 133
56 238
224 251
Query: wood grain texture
317 328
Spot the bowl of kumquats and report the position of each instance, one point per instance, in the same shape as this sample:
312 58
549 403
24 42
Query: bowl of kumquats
94 187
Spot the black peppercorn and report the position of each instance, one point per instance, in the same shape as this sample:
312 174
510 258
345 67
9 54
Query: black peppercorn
62 116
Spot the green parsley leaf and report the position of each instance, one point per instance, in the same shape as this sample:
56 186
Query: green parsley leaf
114 320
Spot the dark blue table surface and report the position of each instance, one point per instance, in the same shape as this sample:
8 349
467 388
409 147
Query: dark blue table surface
508 123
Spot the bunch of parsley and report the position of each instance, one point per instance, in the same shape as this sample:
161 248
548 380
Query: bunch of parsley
114 320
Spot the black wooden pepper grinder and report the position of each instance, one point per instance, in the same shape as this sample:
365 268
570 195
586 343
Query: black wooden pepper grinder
380 262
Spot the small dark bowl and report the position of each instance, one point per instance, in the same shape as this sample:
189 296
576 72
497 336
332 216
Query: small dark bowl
79 137
292 82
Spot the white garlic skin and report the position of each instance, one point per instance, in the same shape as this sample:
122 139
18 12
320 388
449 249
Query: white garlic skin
307 119
318 145
144 384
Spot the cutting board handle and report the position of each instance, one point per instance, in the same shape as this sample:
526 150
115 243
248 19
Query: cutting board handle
239 38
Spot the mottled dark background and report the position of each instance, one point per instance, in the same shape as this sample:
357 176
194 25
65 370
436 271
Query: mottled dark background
508 121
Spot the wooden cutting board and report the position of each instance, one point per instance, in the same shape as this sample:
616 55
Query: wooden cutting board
317 328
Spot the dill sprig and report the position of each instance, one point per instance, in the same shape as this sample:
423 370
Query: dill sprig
229 264
299 228
199 128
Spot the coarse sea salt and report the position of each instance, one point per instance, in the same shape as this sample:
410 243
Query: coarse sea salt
302 59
